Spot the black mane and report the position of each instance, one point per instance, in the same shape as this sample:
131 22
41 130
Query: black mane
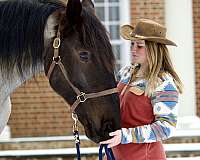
22 24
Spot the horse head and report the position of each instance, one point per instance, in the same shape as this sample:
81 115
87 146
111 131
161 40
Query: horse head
87 58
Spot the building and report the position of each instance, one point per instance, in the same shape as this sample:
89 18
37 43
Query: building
38 111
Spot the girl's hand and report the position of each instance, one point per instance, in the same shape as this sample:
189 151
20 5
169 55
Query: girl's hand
115 140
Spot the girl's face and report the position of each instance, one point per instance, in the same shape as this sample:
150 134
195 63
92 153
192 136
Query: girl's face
138 52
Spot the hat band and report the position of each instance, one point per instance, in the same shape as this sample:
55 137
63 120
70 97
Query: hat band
138 36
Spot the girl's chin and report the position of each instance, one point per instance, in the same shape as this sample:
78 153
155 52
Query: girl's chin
134 61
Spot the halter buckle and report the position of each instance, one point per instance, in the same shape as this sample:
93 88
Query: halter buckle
81 97
56 43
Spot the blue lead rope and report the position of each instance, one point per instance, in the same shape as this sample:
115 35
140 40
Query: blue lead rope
78 151
108 152
77 142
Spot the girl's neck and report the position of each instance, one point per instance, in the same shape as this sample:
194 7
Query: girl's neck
142 71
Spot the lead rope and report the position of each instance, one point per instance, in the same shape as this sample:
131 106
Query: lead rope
76 136
108 151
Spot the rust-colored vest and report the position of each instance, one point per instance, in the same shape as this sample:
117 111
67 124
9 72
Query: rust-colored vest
136 110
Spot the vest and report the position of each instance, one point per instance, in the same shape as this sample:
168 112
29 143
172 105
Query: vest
136 110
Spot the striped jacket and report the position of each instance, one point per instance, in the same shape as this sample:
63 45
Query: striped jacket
164 101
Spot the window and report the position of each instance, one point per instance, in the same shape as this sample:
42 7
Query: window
113 13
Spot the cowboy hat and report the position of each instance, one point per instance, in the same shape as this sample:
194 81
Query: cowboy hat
146 29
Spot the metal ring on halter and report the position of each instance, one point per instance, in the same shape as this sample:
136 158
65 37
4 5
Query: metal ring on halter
82 97
56 59
56 43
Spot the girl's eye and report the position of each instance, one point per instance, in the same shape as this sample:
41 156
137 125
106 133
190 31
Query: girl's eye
85 56
138 44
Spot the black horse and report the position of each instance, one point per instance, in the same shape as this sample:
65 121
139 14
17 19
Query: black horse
27 32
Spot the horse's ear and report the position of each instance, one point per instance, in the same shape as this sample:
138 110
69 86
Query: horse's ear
88 4
73 11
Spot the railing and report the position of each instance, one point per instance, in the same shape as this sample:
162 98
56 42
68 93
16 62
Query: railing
169 148
177 149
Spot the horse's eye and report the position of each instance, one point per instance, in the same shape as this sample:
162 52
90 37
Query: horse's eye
84 56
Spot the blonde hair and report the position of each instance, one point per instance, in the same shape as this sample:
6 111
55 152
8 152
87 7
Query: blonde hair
158 61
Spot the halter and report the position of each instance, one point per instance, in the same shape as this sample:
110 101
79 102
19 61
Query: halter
80 98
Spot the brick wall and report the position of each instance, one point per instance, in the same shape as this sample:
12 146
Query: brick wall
196 23
152 9
155 9
38 111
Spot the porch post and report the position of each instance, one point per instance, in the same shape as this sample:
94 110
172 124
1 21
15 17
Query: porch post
179 23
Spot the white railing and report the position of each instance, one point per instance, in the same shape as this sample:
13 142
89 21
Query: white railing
182 147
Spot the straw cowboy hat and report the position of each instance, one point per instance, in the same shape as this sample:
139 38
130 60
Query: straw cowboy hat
146 29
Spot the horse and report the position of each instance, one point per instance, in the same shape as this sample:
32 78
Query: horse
29 31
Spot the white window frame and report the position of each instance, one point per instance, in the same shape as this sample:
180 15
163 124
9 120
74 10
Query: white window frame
125 18
124 13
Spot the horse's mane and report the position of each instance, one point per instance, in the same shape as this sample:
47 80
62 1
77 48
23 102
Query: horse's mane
22 24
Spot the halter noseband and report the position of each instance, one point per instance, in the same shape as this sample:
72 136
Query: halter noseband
81 96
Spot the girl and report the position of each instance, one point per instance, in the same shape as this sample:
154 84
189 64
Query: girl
149 91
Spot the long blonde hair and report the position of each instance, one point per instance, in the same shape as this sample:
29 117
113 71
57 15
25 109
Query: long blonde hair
158 61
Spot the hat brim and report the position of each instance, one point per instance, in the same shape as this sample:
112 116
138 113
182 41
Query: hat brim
127 32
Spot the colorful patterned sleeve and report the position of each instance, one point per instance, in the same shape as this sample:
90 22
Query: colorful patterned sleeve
165 108
124 74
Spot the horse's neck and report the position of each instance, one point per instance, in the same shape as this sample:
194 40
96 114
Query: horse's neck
7 87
